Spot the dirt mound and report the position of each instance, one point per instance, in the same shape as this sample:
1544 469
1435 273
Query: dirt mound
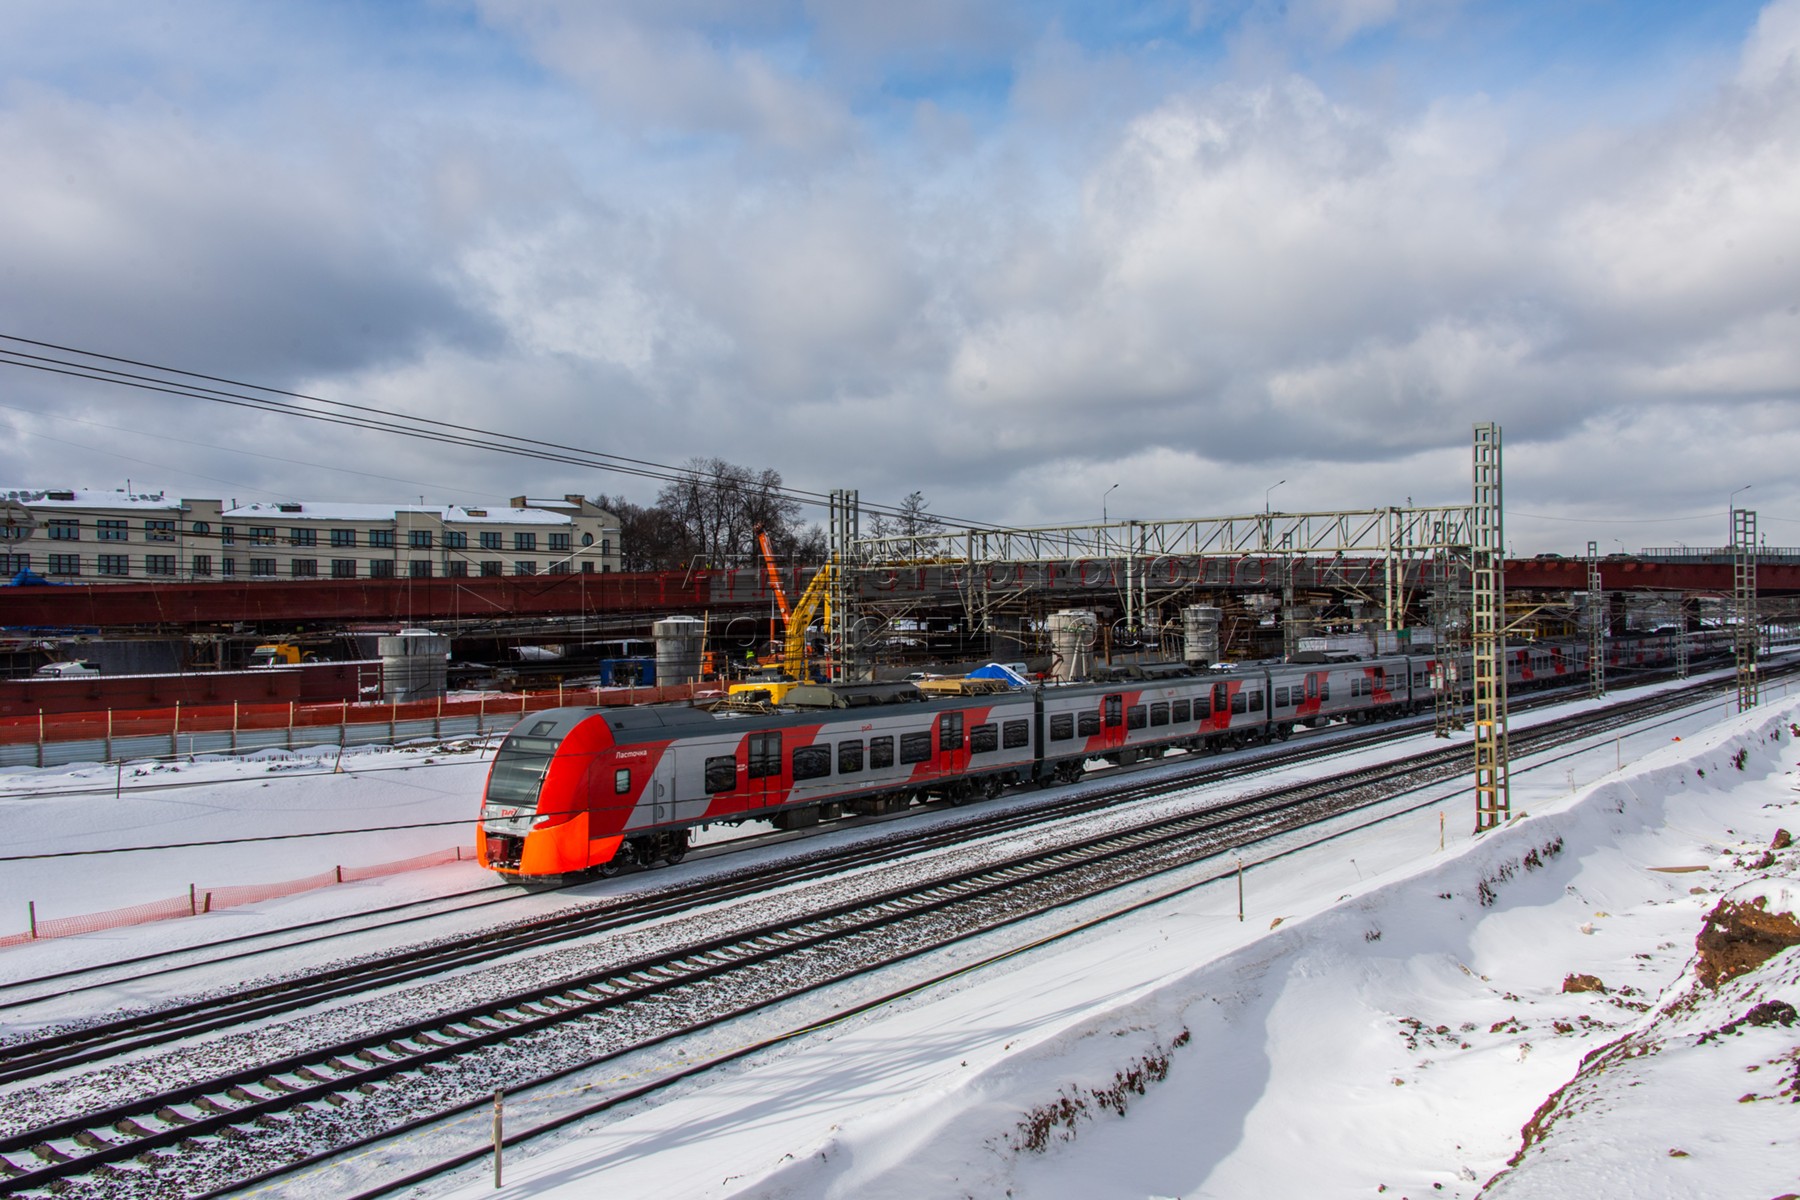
1740 937
1582 983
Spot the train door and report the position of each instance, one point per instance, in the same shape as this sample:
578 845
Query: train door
1221 705
763 772
1112 720
659 793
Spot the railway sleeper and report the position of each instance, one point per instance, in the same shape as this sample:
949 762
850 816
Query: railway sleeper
87 1139
51 1154
276 1084
174 1118
8 1169
211 1107
130 1128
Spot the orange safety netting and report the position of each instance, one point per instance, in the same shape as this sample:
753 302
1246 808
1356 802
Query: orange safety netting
202 900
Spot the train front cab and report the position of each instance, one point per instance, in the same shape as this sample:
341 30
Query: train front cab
537 812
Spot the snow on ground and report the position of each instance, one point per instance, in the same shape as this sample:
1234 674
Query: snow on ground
1390 1035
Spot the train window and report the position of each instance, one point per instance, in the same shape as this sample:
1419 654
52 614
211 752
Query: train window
1238 703
1136 717
881 753
1181 712
1159 713
541 728
850 757
1324 689
1062 727
811 762
1115 711
721 773
1089 724
984 739
1015 734
765 755
950 734
915 747
622 781
1221 697
1281 697
519 771
1254 703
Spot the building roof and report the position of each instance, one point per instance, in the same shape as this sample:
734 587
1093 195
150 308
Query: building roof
85 498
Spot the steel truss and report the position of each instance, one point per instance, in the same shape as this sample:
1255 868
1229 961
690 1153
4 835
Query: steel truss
1487 625
1746 635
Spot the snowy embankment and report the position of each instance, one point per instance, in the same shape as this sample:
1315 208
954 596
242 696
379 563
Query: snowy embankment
1394 1042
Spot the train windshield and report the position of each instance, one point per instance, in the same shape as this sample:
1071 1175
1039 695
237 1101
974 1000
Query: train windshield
519 771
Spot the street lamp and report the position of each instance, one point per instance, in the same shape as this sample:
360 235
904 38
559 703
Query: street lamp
1266 492
1732 534
1103 495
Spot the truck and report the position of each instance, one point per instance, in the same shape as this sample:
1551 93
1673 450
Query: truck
280 654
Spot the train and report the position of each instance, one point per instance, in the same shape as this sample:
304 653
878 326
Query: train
583 792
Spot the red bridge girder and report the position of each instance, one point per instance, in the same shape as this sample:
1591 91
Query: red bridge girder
351 600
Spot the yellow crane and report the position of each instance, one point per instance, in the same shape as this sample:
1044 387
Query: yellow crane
816 599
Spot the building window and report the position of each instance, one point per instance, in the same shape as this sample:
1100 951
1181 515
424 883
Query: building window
303 537
561 567
65 564
343 537
421 568
304 568
456 568
113 531
202 564
64 529
587 539
227 536
262 567
419 539
381 539
455 540
381 568
587 566
262 535
524 541
490 540
560 541
201 528
525 568
159 531
227 568
605 547
115 564
12 564
343 568
491 568
159 564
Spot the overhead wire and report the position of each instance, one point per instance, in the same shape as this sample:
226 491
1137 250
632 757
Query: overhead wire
368 417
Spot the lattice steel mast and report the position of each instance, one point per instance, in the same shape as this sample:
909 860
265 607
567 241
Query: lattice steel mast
1493 787
1746 634
1596 608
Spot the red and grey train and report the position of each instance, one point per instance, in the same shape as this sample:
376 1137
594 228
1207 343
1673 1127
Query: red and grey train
587 790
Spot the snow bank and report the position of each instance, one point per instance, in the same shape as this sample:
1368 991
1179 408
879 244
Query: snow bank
1395 1044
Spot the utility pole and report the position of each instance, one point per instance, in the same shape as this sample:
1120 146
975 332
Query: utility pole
846 519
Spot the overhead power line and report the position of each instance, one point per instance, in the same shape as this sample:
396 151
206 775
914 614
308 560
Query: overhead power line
91 365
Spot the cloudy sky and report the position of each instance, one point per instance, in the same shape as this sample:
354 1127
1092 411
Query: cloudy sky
1006 254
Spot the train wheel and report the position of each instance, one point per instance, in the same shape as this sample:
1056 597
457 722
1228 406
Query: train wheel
605 870
678 848
991 787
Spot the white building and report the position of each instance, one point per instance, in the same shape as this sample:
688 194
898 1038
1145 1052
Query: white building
108 537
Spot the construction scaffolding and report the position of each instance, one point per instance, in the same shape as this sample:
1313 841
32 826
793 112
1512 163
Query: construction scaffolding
1487 627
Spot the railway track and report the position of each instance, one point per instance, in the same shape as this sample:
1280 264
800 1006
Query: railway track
220 1131
148 1028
